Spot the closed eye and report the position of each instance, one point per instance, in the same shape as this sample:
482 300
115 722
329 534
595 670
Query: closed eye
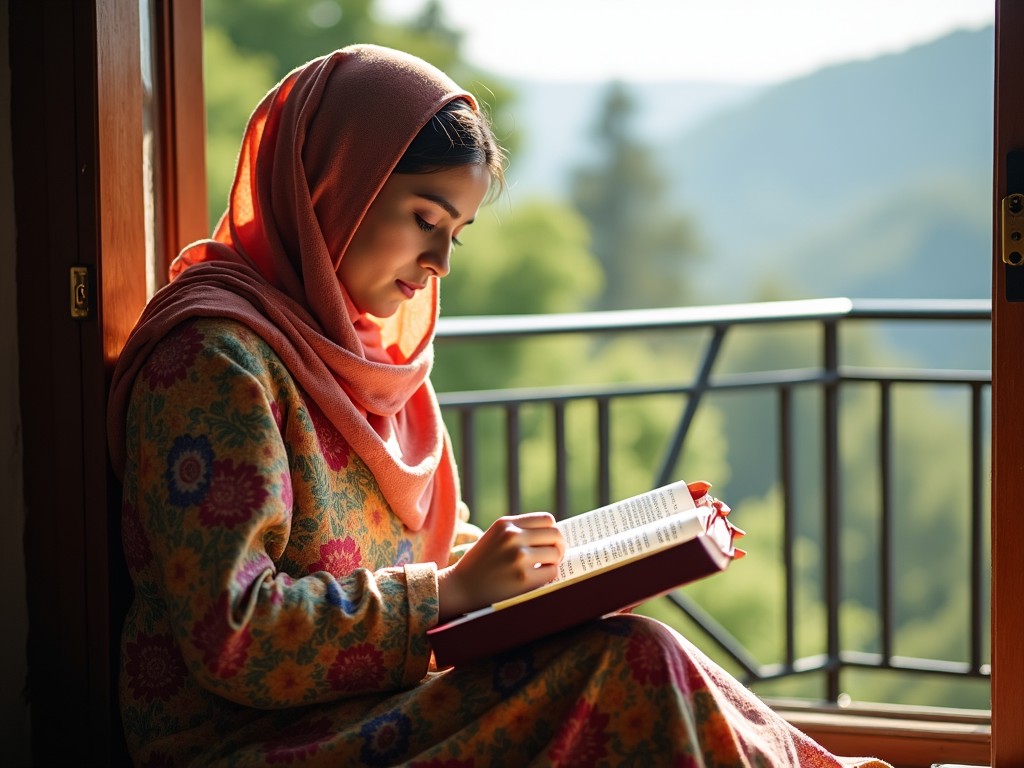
426 226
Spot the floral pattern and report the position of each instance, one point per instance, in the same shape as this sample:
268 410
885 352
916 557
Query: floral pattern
189 467
385 739
281 609
170 361
154 670
233 492
584 738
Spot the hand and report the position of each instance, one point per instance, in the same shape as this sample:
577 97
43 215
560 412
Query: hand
700 491
515 554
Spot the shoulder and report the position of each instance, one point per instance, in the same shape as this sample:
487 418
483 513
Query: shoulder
210 347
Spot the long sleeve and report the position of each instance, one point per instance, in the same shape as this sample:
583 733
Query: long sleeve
259 537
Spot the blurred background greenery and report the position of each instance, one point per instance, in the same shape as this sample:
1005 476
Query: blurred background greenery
867 179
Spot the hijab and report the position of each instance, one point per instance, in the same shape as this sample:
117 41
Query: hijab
316 151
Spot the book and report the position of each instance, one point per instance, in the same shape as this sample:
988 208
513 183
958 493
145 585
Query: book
616 557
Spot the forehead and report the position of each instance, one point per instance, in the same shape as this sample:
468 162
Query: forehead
462 187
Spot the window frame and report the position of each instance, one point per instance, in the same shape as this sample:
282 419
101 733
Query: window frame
81 204
1007 412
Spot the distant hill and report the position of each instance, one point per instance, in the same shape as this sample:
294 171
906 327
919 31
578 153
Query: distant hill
865 179
553 122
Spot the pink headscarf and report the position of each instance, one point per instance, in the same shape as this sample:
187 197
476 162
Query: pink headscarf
315 154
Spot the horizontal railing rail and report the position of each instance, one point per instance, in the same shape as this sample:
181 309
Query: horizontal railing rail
829 376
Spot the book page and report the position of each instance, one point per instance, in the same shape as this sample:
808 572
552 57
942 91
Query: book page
630 543
631 513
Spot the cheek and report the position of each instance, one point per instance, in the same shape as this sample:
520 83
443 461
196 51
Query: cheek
376 242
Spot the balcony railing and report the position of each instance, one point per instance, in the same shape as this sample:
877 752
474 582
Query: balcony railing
830 376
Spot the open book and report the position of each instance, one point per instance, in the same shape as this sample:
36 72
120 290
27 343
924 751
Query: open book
616 557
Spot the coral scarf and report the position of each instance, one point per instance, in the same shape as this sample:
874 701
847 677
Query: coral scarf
315 153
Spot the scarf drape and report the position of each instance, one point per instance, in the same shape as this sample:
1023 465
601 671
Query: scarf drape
315 153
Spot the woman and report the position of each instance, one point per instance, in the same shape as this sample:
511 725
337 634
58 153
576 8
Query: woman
291 512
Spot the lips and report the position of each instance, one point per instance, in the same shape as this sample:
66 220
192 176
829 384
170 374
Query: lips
409 289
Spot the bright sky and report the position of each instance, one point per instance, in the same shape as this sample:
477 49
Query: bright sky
746 41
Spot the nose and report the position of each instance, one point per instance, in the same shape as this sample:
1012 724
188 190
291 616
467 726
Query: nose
437 259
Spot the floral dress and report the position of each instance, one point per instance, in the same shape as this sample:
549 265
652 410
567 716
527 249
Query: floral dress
280 610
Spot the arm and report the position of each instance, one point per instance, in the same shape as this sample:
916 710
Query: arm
260 556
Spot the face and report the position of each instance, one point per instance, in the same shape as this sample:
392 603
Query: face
408 234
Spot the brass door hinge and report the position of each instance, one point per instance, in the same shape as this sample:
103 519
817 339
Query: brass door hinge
80 289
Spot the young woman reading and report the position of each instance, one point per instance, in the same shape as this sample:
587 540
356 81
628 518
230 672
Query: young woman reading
291 513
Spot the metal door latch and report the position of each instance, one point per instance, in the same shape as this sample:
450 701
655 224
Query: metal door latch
80 292
1012 224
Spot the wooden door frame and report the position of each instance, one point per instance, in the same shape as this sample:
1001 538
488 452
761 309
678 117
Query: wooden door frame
76 119
1007 413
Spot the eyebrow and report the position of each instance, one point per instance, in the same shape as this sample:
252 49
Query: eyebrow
450 209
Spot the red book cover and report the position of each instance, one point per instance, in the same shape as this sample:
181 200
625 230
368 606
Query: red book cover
560 606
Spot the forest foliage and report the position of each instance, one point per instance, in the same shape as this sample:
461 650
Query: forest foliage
618 242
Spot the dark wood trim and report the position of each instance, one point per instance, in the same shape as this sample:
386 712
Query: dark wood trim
76 136
48 173
1007 415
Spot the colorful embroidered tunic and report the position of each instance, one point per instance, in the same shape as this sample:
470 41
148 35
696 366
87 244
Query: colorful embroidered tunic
280 609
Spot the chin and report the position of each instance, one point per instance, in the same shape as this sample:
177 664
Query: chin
385 312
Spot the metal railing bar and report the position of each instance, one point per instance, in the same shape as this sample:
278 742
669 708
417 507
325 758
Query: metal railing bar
917 376
886 521
675 446
525 395
721 382
921 309
802 666
512 457
604 452
830 421
977 556
561 463
620 321
788 514
718 634
829 379
865 660
494 326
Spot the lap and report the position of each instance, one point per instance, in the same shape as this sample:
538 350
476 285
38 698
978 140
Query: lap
626 690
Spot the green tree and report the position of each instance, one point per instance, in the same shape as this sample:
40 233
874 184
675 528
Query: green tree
252 44
291 32
643 245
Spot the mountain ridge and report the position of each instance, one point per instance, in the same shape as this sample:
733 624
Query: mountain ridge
800 178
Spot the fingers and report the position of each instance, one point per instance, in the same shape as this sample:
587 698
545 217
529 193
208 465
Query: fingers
535 530
532 520
700 491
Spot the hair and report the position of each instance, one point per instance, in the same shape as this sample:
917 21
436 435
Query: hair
456 135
